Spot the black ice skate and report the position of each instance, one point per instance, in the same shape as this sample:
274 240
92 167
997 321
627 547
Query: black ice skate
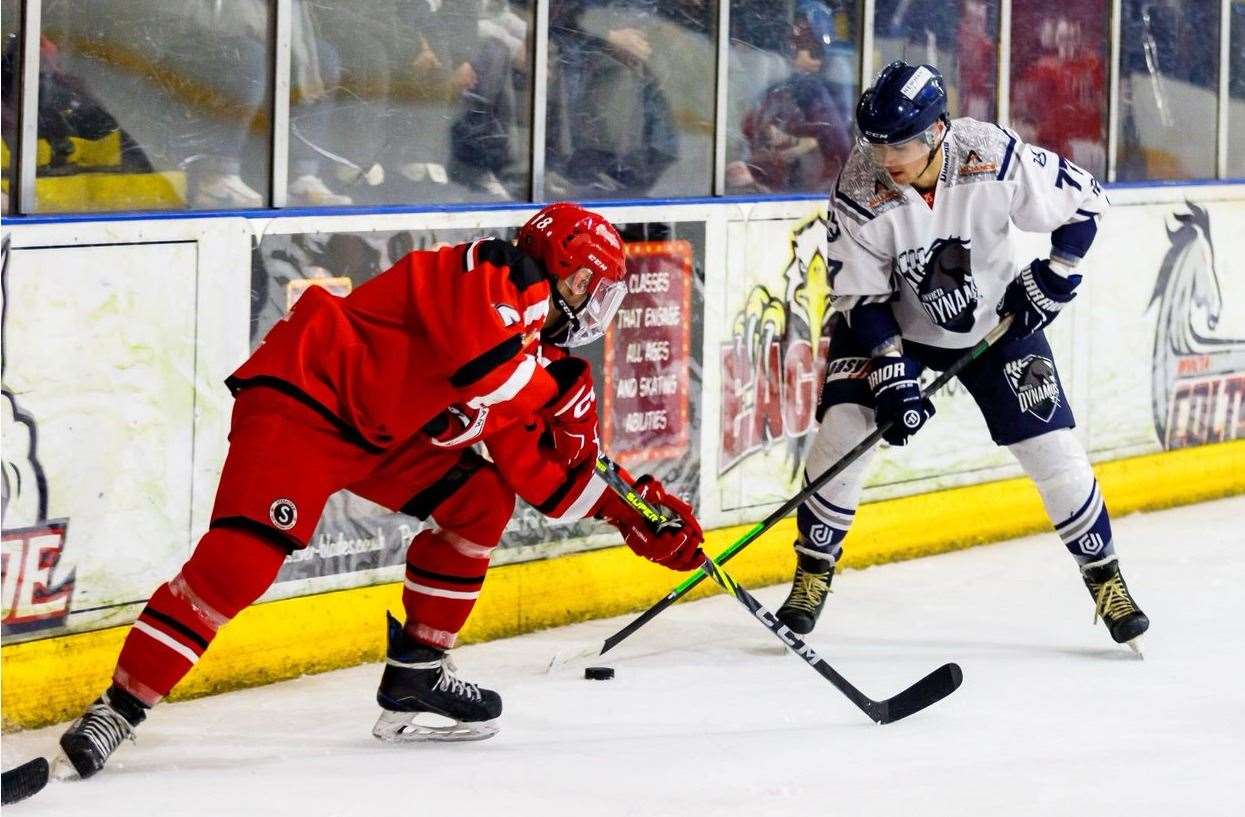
808 594
91 739
419 693
1113 603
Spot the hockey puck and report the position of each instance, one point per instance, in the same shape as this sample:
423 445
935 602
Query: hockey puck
598 673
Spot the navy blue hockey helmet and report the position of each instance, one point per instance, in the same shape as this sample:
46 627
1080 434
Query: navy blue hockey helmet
904 103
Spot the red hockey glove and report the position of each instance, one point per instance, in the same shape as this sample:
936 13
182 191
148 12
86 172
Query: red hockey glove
675 544
572 414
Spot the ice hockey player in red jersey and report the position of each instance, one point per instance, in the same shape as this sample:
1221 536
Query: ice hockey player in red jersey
385 393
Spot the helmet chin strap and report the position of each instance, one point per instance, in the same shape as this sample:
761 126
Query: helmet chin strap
934 150
563 306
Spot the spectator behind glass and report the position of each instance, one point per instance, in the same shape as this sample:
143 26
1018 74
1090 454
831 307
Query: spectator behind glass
216 177
76 134
611 130
958 37
1168 81
800 130
977 61
1059 97
459 119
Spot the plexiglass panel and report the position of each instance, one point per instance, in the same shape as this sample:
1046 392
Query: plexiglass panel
1169 75
1058 78
792 86
1236 92
960 38
408 101
154 104
11 32
630 90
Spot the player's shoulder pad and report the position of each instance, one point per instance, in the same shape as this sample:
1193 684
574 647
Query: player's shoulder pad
864 191
524 270
980 152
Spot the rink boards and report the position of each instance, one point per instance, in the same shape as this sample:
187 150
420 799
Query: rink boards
118 334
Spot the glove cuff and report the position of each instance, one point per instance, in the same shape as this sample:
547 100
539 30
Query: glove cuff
1047 288
889 370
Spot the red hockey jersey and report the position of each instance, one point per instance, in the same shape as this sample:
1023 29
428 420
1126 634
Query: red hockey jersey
451 326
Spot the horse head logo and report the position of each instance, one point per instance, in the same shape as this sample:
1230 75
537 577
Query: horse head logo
1188 300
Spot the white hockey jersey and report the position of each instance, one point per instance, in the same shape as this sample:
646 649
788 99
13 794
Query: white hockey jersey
949 264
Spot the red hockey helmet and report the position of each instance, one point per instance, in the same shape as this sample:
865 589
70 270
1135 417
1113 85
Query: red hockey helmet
566 238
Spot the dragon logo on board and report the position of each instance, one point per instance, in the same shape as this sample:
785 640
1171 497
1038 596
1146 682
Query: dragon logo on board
34 598
774 361
1198 377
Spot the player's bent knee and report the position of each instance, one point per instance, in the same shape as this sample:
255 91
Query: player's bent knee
842 428
1051 456
231 567
480 511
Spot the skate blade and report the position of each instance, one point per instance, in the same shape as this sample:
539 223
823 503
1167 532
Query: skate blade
61 769
423 727
1135 647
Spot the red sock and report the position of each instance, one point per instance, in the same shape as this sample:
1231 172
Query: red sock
444 574
445 567
229 569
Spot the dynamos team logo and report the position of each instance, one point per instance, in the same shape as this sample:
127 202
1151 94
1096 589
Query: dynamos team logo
34 598
772 367
1033 381
1198 379
943 280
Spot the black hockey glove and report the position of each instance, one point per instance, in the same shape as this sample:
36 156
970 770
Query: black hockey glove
1035 297
897 398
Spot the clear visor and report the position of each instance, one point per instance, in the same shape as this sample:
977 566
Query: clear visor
909 150
596 313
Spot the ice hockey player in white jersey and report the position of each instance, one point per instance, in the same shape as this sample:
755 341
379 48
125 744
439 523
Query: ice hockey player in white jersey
921 261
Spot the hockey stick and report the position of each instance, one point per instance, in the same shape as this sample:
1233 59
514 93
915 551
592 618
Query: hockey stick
929 690
790 505
24 781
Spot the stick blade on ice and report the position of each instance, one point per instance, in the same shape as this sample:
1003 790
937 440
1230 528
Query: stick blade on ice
24 781
929 690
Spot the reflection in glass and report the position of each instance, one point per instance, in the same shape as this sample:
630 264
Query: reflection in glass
958 38
154 104
418 101
10 37
1169 74
1236 92
792 84
1059 78
629 112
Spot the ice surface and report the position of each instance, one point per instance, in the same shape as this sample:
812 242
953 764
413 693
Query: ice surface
706 717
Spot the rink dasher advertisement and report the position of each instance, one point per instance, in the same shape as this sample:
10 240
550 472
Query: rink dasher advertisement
107 401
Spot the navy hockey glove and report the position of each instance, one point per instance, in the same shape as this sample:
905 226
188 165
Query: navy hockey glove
1035 297
897 398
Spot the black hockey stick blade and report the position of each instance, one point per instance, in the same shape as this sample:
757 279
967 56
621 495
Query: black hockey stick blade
929 690
24 781
932 688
